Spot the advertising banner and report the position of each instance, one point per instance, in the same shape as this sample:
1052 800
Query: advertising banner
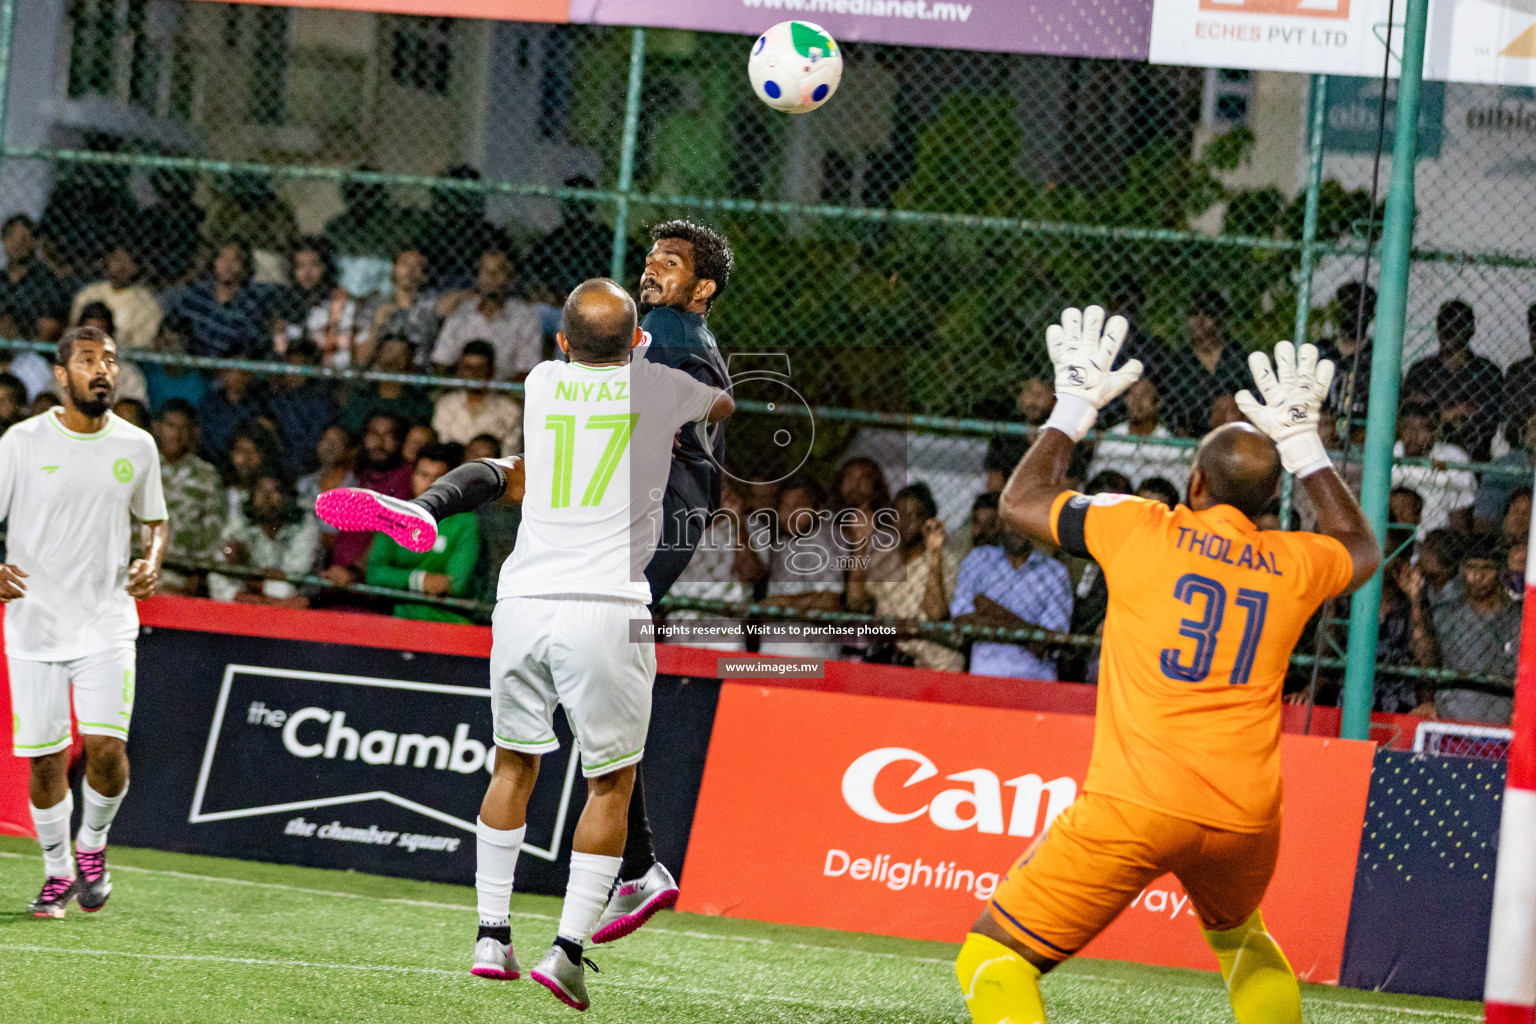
366 758
899 818
1078 28
1491 41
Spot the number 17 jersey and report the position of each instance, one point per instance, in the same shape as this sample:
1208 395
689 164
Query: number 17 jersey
598 448
1204 610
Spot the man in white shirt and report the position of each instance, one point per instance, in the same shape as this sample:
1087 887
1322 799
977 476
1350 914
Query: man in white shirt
464 414
570 596
1445 491
135 313
1141 461
71 481
512 327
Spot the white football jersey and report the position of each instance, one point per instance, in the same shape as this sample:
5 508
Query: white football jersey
598 448
71 500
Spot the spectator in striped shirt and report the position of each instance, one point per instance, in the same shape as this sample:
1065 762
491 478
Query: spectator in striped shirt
228 315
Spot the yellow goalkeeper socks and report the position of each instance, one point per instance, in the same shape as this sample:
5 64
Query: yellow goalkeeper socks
999 985
1260 982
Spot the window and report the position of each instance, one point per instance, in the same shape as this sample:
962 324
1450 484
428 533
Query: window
556 84
93 41
266 89
421 56
1228 95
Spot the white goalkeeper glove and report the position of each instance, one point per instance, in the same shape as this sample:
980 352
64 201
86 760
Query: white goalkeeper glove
1083 350
1293 393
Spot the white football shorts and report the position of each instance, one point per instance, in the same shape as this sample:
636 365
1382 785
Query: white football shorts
101 685
574 651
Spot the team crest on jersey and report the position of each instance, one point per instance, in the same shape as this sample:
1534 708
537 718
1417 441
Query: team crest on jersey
123 470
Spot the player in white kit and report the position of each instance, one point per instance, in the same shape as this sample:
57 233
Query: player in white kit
72 480
599 432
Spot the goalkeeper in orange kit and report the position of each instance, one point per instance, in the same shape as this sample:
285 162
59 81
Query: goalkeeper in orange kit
1204 610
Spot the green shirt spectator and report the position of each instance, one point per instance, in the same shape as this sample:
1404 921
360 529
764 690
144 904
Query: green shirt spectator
448 570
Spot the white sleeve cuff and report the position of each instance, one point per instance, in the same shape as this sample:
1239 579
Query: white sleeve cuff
1073 416
1304 454
418 580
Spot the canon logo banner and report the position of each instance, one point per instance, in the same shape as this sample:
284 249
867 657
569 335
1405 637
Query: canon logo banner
976 804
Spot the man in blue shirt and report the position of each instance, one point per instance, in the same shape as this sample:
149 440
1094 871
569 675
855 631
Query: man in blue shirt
228 314
1012 586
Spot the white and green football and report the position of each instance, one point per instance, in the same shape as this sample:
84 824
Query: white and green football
795 66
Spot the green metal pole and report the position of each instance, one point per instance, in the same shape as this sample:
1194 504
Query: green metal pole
627 153
7 25
1319 102
1386 368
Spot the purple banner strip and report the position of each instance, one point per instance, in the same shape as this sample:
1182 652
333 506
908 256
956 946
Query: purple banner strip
1066 28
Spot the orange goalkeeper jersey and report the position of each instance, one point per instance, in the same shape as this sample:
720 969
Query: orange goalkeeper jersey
1204 610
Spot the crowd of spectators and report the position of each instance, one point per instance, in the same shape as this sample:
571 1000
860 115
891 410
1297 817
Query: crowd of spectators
441 292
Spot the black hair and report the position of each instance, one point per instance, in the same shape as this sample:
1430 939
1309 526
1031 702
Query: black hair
1443 542
178 405
12 383
881 498
247 256
596 338
1419 410
304 350
1209 303
480 347
1109 481
986 500
140 409
66 347
1348 298
712 255
294 514
1456 319
265 441
99 311
17 218
1163 488
395 419
487 438
923 495
1484 547
326 252
178 323
449 453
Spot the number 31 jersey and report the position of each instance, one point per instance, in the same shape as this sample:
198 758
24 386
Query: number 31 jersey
598 447
1204 611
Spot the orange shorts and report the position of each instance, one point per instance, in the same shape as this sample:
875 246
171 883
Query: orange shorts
1101 852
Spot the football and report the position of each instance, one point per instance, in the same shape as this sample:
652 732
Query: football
795 66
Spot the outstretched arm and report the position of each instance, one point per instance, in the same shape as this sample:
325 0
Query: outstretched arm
1083 349
1293 396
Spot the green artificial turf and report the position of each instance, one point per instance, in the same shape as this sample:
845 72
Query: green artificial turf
206 939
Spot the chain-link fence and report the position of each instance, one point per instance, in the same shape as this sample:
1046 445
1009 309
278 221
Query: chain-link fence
320 192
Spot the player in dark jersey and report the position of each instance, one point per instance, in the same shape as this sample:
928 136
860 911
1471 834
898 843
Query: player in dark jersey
686 271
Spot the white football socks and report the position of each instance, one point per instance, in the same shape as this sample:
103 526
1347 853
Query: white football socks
586 894
52 826
496 853
96 817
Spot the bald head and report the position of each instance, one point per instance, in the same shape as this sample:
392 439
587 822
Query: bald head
598 321
1240 467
